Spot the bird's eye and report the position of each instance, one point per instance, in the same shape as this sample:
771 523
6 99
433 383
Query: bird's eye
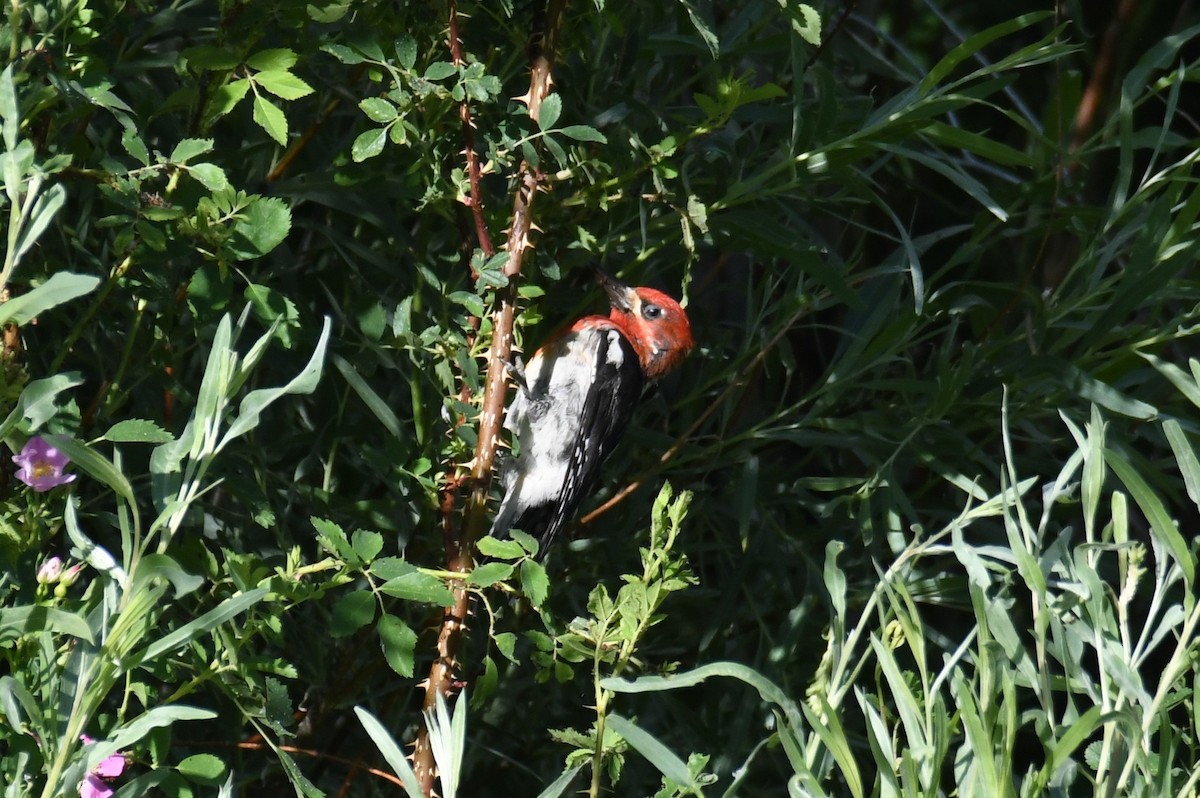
651 311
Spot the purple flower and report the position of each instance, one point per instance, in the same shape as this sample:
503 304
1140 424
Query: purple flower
94 784
50 571
42 466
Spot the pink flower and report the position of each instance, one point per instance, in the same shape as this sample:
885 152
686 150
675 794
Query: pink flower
50 571
70 575
94 785
42 466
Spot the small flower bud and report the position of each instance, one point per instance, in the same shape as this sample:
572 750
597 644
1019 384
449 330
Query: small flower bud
50 571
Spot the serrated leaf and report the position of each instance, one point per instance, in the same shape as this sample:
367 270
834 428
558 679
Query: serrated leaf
275 59
268 116
378 109
417 586
527 541
134 145
368 144
506 644
490 573
347 55
352 612
499 549
189 148
366 545
332 538
205 768
283 84
209 175
265 223
208 57
809 26
406 52
137 430
472 302
399 642
549 113
535 584
440 70
584 133
387 568
226 98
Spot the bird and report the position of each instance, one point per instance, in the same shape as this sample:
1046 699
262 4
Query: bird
574 400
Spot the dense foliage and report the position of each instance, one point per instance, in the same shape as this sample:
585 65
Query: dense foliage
916 517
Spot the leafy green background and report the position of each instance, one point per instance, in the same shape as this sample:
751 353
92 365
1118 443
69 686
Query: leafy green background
939 429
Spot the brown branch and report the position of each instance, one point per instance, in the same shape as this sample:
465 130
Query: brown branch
443 678
1106 58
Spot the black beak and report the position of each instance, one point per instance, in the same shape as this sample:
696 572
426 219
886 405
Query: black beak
619 294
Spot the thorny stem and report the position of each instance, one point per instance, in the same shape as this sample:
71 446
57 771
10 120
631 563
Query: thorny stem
443 672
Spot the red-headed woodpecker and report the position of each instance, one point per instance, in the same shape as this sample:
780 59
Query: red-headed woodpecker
574 400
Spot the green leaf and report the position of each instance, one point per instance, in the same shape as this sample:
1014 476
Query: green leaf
808 26
37 404
226 98
375 403
61 287
274 310
162 566
500 549
977 42
368 144
332 538
137 430
209 175
280 58
378 109
9 109
204 768
440 70
406 52
347 55
527 541
655 752
188 149
472 302
534 582
283 85
391 752
366 544
44 210
703 28
133 731
550 111
94 464
584 133
134 145
1161 523
18 621
416 586
399 644
263 225
207 57
352 612
490 573
268 116
226 610
767 689
1185 456
560 785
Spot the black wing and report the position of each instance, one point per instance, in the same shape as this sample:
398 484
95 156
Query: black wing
617 387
